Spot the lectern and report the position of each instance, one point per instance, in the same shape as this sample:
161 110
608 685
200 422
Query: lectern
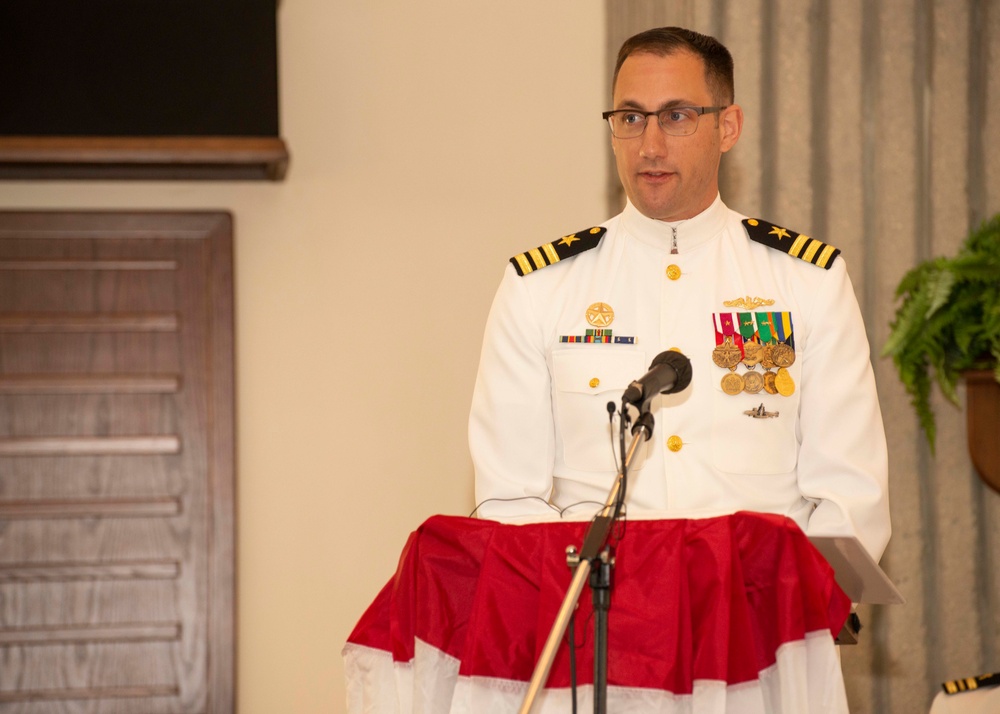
735 613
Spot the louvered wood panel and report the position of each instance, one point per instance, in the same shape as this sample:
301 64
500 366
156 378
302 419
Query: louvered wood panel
116 463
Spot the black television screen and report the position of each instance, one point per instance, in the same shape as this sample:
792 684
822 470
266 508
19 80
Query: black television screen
138 68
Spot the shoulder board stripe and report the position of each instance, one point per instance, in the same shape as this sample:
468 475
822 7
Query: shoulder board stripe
795 244
551 253
521 264
536 257
798 245
826 255
812 250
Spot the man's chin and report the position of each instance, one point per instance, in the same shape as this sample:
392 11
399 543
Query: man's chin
657 210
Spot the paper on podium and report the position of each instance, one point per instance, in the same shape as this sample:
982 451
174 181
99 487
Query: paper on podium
857 573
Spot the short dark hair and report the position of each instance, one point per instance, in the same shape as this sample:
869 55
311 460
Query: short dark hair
666 41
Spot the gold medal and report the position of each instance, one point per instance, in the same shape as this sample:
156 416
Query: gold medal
769 383
783 355
753 352
727 355
753 382
784 383
766 358
732 384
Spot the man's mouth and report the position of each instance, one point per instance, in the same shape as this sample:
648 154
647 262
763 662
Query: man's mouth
655 176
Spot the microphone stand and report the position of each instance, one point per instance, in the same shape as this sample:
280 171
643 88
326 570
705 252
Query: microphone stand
596 557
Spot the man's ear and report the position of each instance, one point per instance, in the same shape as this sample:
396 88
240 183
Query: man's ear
730 126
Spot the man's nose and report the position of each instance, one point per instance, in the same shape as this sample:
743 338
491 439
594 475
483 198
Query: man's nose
653 138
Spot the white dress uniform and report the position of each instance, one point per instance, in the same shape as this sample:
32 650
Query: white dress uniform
540 430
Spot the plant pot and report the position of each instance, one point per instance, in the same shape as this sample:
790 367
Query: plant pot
983 424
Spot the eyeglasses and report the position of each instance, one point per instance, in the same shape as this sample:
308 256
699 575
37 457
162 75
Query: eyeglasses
676 121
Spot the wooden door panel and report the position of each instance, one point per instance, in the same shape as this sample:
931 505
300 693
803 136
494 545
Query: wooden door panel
116 463
76 477
63 355
80 415
117 286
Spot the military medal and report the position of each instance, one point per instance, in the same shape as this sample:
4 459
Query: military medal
732 384
753 382
755 338
727 355
783 355
784 383
766 360
753 353
783 351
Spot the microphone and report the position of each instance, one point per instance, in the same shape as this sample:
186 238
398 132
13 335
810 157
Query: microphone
668 373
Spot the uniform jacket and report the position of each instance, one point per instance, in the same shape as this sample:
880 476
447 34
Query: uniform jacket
540 428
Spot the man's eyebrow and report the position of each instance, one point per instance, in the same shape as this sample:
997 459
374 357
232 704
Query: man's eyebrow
632 104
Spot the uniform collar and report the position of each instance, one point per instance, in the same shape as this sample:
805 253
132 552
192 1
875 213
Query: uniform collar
691 232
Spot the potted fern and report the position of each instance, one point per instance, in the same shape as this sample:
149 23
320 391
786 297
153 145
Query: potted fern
948 322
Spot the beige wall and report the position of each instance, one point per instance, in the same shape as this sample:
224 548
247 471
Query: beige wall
430 141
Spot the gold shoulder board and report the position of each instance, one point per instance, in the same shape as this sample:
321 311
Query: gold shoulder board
795 244
566 247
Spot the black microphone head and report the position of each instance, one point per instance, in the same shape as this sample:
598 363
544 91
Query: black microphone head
680 364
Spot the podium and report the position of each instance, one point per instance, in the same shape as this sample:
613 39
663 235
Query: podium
734 613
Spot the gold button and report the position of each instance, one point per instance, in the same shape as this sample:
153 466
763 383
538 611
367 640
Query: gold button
673 272
674 443
594 383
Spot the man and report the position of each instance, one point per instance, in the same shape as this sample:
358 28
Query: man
781 415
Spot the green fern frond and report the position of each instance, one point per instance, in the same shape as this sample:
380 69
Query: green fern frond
938 288
948 321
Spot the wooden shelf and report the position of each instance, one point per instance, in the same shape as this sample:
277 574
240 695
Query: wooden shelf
983 422
154 158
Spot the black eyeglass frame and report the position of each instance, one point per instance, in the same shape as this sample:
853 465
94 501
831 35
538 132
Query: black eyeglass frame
697 110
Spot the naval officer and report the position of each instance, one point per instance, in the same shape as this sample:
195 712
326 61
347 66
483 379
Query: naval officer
781 415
